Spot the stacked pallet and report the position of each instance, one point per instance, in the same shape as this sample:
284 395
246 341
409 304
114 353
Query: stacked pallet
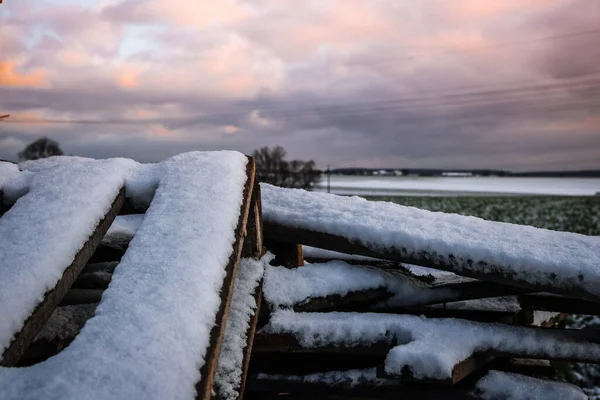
167 308
395 301
123 280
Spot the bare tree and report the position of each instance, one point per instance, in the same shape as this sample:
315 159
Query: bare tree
274 169
41 148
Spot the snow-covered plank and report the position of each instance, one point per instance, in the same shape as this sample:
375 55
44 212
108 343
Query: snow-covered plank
429 349
336 284
533 258
348 383
505 385
156 333
46 239
239 332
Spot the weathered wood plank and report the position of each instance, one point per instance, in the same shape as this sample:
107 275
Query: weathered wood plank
486 272
253 241
248 349
301 387
204 387
353 301
549 302
273 343
53 297
82 296
460 371
287 255
360 300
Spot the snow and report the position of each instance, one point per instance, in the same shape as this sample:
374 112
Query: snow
428 347
314 252
141 183
150 333
7 171
41 234
540 317
228 377
560 260
123 228
51 162
285 287
449 186
510 386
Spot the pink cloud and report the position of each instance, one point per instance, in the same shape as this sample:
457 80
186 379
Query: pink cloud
10 76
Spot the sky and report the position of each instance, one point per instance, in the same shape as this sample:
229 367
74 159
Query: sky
503 84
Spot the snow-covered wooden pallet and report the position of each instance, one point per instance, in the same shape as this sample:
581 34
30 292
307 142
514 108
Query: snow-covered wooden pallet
160 326
513 255
370 308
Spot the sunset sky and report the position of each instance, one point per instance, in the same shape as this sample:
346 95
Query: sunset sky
510 84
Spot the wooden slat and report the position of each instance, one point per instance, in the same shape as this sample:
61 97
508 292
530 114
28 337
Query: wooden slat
204 387
360 300
549 302
82 296
460 371
253 241
273 343
352 301
287 255
299 388
53 297
486 272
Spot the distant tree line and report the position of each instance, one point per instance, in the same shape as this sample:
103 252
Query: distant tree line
274 169
271 165
41 148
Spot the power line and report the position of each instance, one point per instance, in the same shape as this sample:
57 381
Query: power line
483 97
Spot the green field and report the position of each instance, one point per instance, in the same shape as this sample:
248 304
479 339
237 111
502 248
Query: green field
571 214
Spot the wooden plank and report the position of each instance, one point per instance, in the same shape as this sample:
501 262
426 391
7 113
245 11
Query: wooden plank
82 296
253 241
273 343
288 255
447 293
248 350
298 387
53 297
307 363
352 301
486 272
204 387
525 366
549 302
462 370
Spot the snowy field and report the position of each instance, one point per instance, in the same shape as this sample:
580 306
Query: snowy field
457 186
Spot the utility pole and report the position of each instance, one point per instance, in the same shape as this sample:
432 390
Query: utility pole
328 178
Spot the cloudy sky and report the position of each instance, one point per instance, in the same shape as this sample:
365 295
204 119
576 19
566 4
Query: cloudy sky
511 84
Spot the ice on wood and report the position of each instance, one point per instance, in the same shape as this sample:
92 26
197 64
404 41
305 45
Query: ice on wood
38 243
243 306
164 293
540 257
429 348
